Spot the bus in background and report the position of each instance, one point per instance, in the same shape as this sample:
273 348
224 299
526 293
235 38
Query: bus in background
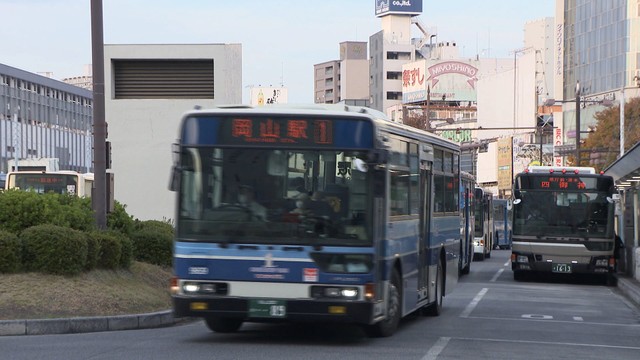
467 220
563 222
323 213
61 182
483 237
501 224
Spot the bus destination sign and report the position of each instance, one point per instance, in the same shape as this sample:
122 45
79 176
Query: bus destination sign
281 131
561 183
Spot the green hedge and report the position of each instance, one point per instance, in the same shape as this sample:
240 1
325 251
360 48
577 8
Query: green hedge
24 209
54 249
110 249
153 242
10 252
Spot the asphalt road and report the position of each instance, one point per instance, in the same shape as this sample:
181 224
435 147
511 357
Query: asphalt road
489 316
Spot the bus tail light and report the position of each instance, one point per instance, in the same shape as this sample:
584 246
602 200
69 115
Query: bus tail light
369 291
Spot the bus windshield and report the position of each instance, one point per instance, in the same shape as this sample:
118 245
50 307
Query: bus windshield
563 213
281 196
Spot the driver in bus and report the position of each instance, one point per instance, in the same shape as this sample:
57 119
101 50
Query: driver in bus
246 198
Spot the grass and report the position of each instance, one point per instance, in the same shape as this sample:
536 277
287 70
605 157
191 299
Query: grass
141 289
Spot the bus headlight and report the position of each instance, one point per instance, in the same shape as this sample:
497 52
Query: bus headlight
191 288
333 292
522 259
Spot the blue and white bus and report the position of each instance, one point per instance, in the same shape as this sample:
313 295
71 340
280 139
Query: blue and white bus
324 213
483 240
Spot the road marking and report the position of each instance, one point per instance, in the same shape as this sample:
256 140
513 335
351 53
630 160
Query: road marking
495 277
472 305
507 263
537 317
578 318
436 349
633 326
551 343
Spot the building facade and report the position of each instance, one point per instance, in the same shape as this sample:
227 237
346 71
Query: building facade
143 120
44 118
345 80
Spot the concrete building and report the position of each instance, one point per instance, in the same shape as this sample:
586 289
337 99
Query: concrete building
44 118
84 81
391 48
143 120
346 79
597 46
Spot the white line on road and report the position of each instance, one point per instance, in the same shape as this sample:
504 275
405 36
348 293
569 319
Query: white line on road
507 263
436 349
551 343
495 277
472 305
578 318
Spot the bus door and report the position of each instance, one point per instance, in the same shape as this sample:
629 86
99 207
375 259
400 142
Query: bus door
425 216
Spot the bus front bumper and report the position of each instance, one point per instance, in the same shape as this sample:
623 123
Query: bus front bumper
360 312
596 265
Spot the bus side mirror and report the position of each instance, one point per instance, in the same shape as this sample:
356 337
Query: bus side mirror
517 201
175 178
510 204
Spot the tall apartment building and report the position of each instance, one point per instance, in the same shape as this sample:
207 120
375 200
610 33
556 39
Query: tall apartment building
44 118
598 45
346 79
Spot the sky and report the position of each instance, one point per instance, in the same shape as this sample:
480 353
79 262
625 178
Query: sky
281 39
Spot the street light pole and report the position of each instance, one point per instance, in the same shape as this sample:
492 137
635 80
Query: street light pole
577 123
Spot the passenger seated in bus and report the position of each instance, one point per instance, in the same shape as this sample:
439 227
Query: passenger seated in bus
319 207
246 198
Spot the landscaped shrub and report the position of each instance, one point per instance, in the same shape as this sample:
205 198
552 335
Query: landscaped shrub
93 252
153 244
20 210
126 254
10 252
110 249
163 226
71 211
119 220
54 249
24 209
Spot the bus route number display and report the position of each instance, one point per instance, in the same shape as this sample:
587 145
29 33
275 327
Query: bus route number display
281 131
562 183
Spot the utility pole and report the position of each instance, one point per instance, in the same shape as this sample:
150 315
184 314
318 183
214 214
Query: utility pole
578 133
99 196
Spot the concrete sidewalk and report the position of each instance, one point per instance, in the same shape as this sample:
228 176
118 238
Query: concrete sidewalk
627 286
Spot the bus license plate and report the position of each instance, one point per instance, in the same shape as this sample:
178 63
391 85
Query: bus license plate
561 268
267 308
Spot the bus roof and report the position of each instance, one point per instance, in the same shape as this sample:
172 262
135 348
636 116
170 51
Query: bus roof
573 169
380 120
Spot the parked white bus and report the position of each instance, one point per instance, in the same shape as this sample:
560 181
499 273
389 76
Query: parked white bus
61 182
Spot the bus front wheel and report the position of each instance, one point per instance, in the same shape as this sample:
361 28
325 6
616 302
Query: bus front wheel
389 325
223 325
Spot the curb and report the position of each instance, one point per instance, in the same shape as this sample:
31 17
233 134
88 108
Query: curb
86 324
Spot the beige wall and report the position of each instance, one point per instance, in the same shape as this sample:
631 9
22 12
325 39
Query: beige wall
141 131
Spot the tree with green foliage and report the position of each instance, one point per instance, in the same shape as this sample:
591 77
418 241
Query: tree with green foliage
603 145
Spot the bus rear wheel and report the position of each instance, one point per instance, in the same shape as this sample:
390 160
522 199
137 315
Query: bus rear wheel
223 325
388 326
